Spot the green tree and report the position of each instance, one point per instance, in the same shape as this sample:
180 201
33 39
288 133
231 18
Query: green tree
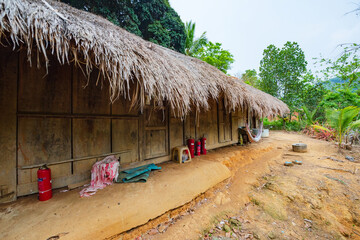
153 20
346 68
281 71
192 44
311 93
215 55
250 77
340 98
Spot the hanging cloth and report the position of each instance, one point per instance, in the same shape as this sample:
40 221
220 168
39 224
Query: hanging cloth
251 137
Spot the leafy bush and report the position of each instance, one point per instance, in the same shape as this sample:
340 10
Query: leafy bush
274 125
320 133
294 126
342 121
279 124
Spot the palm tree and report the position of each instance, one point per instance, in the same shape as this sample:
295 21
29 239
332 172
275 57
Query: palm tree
192 45
342 121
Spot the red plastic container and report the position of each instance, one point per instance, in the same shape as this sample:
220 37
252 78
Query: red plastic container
44 183
198 148
203 146
191 146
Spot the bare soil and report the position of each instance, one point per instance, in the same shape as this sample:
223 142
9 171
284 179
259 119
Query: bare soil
264 199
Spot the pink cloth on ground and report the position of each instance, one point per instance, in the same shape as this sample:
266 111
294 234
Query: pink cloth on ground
102 174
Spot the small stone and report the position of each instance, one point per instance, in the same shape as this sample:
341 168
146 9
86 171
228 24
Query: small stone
227 234
351 159
272 235
163 227
255 235
153 231
348 147
235 222
226 228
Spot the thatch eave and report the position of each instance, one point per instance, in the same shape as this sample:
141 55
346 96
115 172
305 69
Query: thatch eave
121 57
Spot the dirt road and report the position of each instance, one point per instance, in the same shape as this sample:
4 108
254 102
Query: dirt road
264 199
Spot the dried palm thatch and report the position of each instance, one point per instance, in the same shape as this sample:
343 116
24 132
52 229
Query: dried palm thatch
262 104
122 58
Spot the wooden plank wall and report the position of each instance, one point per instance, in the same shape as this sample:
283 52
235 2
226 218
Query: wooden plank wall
8 90
61 115
59 119
208 125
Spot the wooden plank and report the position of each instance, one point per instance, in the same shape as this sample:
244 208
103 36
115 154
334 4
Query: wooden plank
77 185
148 136
83 166
224 144
155 128
158 143
44 92
89 97
156 132
91 137
74 160
221 122
190 125
8 102
228 127
125 135
122 106
31 188
176 132
24 176
234 126
155 118
43 140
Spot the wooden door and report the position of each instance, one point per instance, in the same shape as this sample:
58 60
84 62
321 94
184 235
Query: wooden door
224 123
156 132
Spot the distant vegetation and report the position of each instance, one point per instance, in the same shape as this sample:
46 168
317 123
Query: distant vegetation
205 50
326 105
153 20
157 22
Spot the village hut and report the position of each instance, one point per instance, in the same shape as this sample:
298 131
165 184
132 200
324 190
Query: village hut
75 88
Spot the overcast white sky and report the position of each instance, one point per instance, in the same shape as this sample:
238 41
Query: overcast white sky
247 27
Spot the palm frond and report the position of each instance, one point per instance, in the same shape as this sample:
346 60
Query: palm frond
342 120
355 125
321 128
309 115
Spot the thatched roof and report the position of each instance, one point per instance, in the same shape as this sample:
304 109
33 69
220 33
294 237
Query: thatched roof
53 27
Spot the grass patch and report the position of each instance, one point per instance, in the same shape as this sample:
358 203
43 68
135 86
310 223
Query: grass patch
276 212
255 201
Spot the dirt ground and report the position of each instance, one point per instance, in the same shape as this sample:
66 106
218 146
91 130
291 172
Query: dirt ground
264 199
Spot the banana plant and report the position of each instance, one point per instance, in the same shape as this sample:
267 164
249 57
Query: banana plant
342 120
